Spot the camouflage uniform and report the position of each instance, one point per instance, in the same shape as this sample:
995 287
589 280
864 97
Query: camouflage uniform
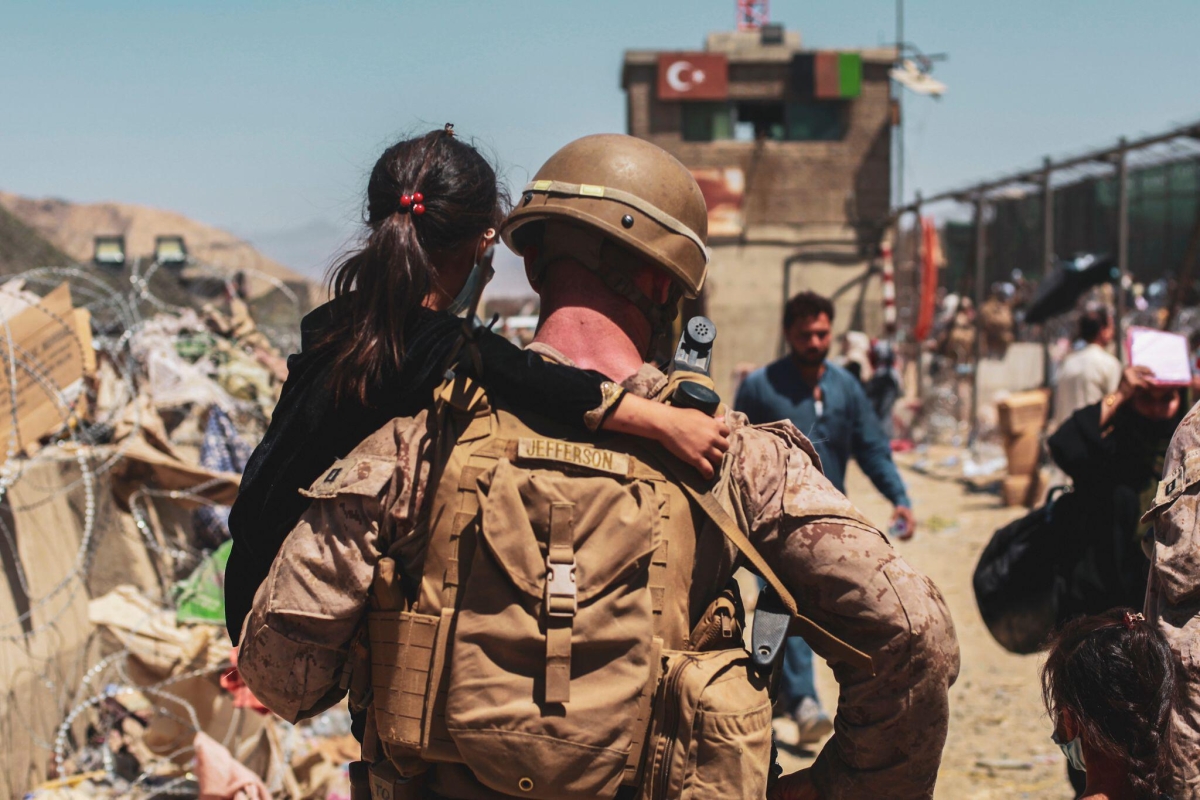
1173 596
890 726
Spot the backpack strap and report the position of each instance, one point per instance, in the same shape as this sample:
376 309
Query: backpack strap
560 604
811 631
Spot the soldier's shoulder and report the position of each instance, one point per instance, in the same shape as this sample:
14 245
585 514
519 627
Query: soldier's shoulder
392 437
1185 440
775 460
778 440
369 467
1190 426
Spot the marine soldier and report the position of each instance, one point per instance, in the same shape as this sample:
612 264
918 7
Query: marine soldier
547 615
1173 596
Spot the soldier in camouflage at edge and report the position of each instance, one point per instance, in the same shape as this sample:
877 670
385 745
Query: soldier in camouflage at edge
1173 594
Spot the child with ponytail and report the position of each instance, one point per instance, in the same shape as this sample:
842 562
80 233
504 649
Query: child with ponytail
1109 685
378 350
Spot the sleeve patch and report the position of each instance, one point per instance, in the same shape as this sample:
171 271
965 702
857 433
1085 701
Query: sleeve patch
361 475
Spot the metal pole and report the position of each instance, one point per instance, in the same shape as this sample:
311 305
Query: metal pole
1047 257
918 288
899 96
1047 220
1122 241
980 257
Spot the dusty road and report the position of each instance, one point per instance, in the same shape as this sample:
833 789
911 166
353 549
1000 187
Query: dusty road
999 744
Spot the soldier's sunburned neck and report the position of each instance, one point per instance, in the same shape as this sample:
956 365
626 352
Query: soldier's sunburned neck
590 339
589 323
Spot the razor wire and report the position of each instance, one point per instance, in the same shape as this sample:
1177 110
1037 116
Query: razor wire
121 310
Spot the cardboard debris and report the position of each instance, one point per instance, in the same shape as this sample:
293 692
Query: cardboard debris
44 334
112 685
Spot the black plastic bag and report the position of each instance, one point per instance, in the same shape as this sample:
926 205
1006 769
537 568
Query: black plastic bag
1017 580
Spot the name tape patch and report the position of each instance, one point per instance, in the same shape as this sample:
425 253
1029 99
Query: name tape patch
580 455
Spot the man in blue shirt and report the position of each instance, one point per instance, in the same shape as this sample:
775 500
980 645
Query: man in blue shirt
829 406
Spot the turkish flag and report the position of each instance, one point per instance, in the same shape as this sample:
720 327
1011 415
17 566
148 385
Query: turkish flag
693 76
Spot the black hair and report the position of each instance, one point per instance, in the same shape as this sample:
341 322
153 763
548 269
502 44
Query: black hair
1116 675
1092 322
387 280
806 305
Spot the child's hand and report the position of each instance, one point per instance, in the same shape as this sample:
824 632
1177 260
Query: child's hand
695 438
692 436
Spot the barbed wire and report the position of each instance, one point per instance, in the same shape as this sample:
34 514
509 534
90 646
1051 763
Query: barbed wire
64 674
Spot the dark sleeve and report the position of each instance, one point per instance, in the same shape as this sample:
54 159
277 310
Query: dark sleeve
1079 447
563 394
873 450
523 378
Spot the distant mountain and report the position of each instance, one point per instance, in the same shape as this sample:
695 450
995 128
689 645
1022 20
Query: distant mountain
71 227
309 248
22 247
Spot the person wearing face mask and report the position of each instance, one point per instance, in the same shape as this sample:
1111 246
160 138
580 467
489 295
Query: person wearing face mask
380 348
1109 685
1114 452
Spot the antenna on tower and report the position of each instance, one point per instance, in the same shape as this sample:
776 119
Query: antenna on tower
752 15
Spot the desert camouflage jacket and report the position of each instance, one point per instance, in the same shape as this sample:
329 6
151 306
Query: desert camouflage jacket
1173 596
890 726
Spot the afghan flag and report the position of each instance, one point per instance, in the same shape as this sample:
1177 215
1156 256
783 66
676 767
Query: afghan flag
827 75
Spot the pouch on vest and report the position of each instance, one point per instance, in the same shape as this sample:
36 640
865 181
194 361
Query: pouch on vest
711 734
552 645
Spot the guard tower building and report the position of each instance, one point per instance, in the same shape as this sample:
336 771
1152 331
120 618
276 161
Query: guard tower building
792 149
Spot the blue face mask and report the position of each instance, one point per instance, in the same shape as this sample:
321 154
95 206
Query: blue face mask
475 283
1073 750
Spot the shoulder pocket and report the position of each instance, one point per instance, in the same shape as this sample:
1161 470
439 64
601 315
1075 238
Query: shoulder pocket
1175 483
361 475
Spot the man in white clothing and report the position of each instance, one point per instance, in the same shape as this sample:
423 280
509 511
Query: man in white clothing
1088 374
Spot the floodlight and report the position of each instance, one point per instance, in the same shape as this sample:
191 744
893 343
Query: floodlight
910 75
170 250
109 250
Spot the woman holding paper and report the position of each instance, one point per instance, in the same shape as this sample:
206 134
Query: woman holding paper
1113 451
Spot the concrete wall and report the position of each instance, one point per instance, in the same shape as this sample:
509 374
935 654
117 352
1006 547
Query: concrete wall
744 295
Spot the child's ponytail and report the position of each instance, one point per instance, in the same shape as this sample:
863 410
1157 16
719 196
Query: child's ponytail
426 196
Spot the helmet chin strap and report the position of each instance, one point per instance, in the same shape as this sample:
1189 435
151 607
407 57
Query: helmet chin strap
607 261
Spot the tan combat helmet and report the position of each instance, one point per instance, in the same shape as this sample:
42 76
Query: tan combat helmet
631 193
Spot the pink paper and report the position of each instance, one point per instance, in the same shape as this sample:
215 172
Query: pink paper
1166 354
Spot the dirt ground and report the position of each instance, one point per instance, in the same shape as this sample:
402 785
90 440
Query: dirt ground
999 742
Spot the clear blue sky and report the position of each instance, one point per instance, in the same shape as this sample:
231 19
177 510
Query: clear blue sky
265 118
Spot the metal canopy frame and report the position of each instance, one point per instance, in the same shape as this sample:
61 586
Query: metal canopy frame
1177 144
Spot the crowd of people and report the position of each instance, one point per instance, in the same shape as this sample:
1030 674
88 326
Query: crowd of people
517 563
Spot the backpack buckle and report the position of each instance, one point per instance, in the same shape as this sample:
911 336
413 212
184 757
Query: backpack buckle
561 589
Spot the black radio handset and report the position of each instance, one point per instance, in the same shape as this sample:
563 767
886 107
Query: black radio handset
694 354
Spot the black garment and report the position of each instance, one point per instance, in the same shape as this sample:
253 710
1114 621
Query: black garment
1116 472
308 431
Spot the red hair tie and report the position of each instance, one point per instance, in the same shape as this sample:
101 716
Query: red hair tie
1131 618
414 202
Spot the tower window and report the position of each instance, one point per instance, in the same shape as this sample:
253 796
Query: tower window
747 121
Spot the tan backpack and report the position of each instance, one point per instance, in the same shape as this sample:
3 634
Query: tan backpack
549 647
